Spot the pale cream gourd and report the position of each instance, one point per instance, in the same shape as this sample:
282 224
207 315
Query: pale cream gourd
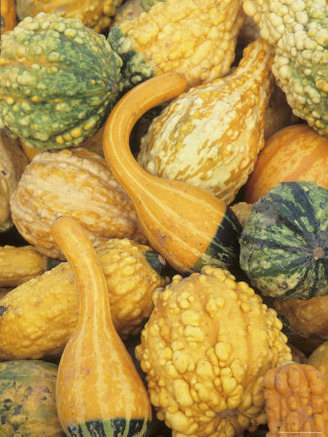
73 182
211 135
12 163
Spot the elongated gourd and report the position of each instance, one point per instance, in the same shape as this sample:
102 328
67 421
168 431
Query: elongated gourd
98 388
185 224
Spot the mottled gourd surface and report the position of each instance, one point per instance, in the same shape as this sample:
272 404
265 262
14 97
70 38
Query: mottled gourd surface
298 30
58 80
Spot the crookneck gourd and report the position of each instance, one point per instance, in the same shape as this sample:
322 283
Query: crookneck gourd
296 152
38 317
205 372
28 399
187 225
298 33
98 386
210 136
58 80
284 242
296 400
193 37
94 14
75 182
12 164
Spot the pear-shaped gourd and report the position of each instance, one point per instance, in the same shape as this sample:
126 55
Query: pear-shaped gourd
187 225
98 389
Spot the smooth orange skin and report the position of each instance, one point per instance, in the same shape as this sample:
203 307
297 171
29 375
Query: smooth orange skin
8 15
293 153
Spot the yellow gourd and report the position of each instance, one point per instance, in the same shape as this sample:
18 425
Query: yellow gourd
98 387
319 359
211 135
38 317
187 225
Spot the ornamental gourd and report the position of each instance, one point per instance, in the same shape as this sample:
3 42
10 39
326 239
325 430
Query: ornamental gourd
293 153
38 317
211 135
94 14
188 226
296 399
284 242
298 33
194 37
8 16
205 372
75 182
28 400
95 361
58 81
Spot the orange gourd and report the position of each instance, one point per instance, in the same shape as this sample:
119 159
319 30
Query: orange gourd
8 15
293 153
296 398
185 224
98 389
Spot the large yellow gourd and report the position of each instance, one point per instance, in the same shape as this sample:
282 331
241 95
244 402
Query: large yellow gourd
98 387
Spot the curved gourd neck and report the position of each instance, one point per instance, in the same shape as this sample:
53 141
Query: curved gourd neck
123 117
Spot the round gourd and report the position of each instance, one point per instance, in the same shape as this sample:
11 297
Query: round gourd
73 182
293 153
27 399
284 242
319 359
58 81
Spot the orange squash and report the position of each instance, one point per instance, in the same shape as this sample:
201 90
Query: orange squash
188 226
98 386
293 153
8 15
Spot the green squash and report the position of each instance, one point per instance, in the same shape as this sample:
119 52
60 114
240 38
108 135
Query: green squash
284 243
58 81
27 399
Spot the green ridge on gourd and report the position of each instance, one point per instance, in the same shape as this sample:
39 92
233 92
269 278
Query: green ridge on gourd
284 243
58 81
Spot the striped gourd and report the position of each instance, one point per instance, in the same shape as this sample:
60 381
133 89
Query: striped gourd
99 391
284 242
188 226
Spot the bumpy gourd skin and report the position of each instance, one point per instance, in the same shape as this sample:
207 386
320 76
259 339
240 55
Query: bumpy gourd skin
296 397
205 349
193 37
38 317
298 31
58 80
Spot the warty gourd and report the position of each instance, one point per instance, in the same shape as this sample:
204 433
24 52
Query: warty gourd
97 14
298 32
296 400
211 135
58 81
205 350
194 37
38 317
74 182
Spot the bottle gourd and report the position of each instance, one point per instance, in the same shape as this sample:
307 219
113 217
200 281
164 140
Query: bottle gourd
186 225
99 391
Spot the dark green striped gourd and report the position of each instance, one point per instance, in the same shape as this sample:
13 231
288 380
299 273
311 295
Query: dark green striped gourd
58 81
27 399
284 243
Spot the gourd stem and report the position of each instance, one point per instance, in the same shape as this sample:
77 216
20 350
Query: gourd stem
72 239
122 119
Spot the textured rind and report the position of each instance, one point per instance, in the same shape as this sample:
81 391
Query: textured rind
94 14
211 135
296 398
298 30
27 399
204 373
73 182
38 317
284 243
194 37
58 81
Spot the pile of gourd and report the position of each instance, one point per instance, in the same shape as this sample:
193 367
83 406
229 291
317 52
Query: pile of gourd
163 218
